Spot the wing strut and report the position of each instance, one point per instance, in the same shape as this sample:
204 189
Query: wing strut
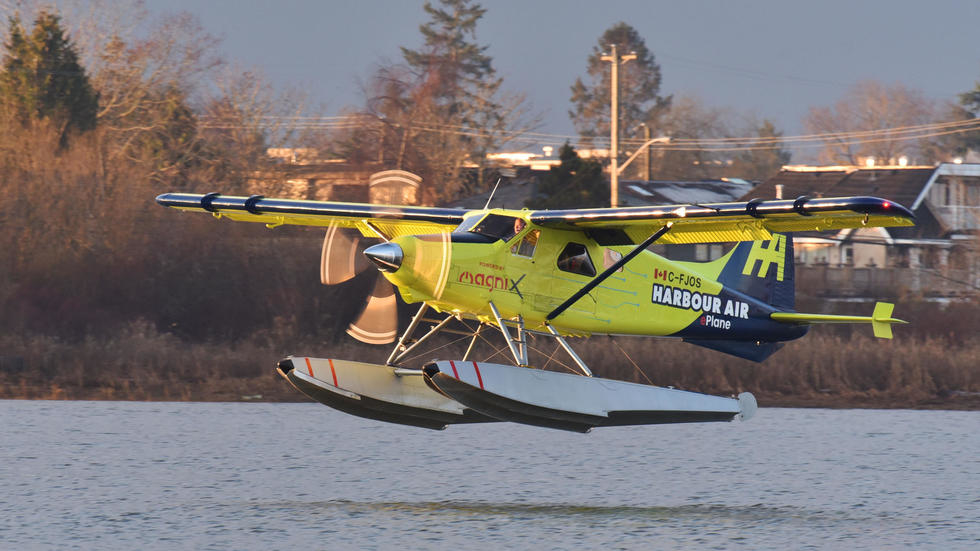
400 351
609 271
561 340
519 350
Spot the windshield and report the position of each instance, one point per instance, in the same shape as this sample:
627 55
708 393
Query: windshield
495 226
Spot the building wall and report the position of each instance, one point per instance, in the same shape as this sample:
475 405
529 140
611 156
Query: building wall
957 199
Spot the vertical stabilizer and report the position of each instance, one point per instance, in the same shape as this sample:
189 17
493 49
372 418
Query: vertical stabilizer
763 270
881 320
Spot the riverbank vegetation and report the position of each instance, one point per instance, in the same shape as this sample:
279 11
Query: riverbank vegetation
928 365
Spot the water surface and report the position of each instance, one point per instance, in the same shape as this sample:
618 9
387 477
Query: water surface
122 475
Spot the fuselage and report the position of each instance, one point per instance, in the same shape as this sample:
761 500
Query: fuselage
531 271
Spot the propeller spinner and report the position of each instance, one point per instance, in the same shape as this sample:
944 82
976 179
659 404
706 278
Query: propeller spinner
386 256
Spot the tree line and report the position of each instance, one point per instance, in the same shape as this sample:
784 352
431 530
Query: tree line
88 138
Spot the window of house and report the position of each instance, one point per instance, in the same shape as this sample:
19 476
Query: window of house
574 258
700 252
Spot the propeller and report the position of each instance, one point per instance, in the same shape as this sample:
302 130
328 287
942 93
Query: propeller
378 322
342 256
341 259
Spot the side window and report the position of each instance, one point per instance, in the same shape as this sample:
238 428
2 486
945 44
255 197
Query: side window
610 257
574 258
527 244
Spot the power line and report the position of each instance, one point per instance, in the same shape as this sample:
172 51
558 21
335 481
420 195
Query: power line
746 143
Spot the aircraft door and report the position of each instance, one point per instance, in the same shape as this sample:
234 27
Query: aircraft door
570 266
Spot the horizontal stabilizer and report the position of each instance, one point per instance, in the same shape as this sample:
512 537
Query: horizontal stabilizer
880 319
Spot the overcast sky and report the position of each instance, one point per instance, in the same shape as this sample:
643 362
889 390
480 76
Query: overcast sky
771 58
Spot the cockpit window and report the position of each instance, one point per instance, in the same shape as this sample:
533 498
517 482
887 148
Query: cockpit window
496 226
574 258
467 224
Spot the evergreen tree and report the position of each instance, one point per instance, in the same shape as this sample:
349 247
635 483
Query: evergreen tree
762 163
170 141
43 79
458 70
455 86
639 87
575 183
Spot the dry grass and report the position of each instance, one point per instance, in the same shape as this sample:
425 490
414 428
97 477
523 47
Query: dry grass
143 364
823 369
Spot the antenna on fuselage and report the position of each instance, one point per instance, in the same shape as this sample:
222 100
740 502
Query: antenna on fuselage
487 206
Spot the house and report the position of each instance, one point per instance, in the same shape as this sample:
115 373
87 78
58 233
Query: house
937 258
299 174
638 193
635 193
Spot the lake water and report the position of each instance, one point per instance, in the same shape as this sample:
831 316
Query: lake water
118 475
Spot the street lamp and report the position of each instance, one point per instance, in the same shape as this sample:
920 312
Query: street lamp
616 61
647 169
646 144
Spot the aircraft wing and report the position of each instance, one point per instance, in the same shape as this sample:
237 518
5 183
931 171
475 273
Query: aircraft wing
754 220
372 220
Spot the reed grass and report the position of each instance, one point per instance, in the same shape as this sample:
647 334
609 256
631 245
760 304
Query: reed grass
824 368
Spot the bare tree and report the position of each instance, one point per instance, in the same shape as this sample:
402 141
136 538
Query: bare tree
871 105
242 116
689 118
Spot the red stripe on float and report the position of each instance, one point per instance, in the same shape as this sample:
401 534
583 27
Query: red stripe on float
453 365
478 377
333 372
309 367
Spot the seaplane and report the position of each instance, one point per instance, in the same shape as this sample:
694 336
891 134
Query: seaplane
521 275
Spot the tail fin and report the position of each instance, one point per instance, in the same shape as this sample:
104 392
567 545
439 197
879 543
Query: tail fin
882 320
763 270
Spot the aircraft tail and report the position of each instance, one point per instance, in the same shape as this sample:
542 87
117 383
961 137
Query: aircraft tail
763 270
881 319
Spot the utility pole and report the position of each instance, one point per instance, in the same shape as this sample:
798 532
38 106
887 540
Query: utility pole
616 60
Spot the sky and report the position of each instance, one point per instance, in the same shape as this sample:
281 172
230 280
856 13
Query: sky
764 58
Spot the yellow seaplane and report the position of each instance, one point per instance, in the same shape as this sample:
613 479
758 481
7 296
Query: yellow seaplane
554 274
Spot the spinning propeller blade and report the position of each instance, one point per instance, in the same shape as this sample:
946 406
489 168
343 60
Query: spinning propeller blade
378 322
341 258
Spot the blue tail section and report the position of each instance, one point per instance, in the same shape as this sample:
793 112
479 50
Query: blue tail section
758 275
763 270
749 350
